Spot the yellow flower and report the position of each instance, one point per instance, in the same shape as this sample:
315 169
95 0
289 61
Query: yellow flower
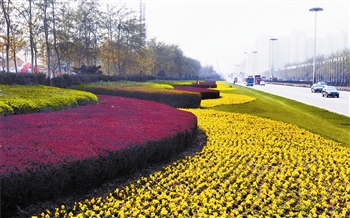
164 211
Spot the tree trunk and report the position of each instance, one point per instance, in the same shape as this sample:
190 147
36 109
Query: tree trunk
46 31
31 36
8 24
15 60
55 37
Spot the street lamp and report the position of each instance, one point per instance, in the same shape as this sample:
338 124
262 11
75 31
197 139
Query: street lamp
254 52
245 63
315 9
271 71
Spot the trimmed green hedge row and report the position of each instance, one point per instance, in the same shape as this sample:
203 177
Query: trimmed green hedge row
173 98
23 78
15 99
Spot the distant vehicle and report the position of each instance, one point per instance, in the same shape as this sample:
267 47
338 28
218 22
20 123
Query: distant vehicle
322 83
257 79
249 81
330 91
316 88
262 83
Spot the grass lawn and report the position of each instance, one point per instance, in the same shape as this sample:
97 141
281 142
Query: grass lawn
327 124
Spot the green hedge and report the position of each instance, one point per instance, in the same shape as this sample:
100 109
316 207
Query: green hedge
18 99
23 78
173 98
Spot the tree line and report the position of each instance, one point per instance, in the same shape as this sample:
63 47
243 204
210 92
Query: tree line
67 34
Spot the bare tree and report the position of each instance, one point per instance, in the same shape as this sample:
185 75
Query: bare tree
5 6
53 2
45 7
17 42
66 31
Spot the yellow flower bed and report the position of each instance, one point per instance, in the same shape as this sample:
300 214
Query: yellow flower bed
223 86
250 167
226 99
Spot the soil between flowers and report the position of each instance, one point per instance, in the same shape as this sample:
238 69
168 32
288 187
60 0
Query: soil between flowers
36 208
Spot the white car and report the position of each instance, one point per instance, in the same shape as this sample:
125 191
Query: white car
262 83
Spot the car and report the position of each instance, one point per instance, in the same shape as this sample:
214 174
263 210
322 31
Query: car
330 91
262 83
324 84
316 88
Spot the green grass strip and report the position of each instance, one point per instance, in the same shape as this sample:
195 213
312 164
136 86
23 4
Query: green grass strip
320 121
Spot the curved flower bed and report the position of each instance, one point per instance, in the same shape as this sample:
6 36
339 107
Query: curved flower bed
15 99
205 92
47 154
250 167
226 99
174 98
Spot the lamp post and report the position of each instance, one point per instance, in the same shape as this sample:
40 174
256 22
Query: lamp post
272 51
254 52
315 9
245 63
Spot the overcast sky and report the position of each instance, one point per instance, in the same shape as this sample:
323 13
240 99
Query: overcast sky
218 32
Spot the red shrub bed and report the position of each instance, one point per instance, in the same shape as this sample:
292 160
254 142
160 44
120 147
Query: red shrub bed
47 155
205 84
174 98
206 93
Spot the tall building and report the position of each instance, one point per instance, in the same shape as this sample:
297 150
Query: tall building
295 49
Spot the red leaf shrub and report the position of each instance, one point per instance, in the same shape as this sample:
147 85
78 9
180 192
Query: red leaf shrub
45 155
205 84
174 98
206 93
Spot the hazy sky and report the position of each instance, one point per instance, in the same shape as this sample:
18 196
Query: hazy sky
218 32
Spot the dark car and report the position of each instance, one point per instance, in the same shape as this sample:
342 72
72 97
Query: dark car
316 88
324 84
330 91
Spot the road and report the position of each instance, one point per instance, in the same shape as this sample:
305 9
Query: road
337 105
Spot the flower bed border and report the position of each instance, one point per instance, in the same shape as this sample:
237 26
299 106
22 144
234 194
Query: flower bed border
48 181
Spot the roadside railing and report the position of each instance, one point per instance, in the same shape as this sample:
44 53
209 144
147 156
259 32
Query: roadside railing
340 88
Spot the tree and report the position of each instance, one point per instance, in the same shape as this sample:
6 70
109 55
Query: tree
178 60
191 67
46 32
5 6
54 32
162 57
66 31
17 42
207 72
132 44
87 21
